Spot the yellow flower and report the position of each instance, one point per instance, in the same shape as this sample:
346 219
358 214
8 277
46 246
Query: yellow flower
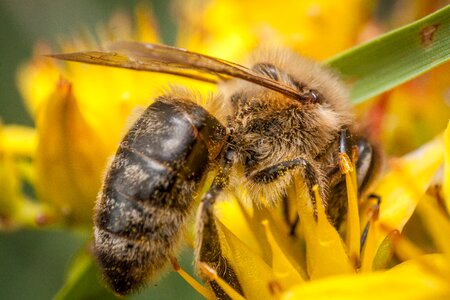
81 113
17 151
416 111
318 264
314 28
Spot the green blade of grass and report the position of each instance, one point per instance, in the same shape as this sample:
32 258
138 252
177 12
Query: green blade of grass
83 281
395 57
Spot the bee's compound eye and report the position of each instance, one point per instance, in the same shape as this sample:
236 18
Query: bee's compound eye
314 96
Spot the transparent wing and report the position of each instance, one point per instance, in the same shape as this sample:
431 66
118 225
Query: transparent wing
176 61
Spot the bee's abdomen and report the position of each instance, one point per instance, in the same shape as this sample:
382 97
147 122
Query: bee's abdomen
147 193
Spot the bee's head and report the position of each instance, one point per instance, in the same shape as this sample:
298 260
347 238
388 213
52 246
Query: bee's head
315 83
307 95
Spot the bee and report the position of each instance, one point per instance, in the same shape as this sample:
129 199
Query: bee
284 116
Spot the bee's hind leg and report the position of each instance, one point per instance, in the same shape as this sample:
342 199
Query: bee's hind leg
208 247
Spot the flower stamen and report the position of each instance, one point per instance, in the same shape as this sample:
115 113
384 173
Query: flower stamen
212 275
353 232
275 289
190 280
369 249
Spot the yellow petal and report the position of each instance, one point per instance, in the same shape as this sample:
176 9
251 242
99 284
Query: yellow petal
10 191
325 251
18 140
146 26
256 221
253 273
302 27
236 217
17 150
446 183
405 249
70 159
411 280
290 248
282 265
403 186
409 123
36 80
437 223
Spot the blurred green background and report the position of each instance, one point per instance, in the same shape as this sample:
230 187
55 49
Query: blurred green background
33 264
25 22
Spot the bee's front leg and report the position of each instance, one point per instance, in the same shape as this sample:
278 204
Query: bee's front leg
311 174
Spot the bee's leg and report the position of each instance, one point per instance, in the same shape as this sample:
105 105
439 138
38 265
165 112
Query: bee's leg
311 174
294 225
367 164
367 158
373 215
337 201
365 155
208 248
290 215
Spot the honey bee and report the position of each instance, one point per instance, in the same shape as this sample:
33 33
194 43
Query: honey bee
285 116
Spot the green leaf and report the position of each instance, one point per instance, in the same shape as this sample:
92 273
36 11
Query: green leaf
395 57
83 281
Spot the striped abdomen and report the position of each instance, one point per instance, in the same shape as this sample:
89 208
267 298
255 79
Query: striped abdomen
147 193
